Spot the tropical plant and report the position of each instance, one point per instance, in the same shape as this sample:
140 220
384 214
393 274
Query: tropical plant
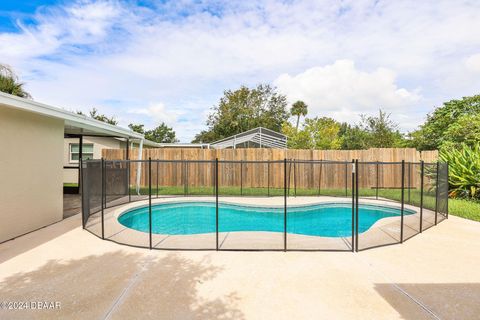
299 109
464 170
9 83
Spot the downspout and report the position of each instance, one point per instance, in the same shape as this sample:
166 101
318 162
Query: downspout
139 167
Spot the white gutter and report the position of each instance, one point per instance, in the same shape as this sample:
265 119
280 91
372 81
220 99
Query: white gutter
139 167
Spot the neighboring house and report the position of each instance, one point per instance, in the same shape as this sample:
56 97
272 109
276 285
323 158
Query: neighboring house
255 138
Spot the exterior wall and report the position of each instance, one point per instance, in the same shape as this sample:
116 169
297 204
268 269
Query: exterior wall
30 172
99 143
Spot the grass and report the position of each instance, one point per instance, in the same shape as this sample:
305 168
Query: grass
70 184
467 209
458 207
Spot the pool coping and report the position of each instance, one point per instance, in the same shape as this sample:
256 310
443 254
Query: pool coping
385 224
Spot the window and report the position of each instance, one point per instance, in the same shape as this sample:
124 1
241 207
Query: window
75 151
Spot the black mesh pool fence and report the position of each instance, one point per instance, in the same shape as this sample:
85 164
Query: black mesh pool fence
278 205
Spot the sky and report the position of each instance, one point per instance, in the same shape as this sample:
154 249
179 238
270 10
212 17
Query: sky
170 61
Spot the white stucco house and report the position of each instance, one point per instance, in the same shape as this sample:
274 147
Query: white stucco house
37 142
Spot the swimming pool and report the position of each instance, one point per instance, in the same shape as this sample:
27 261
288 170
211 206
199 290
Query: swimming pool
185 218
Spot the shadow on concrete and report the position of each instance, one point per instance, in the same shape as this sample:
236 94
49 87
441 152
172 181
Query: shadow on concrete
119 286
443 300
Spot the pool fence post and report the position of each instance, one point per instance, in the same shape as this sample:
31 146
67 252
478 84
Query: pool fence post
422 171
346 179
241 177
448 187
436 194
103 197
216 203
285 204
213 178
376 187
320 177
184 171
268 178
157 177
80 178
128 180
150 200
409 180
353 205
403 201
294 177
187 170
289 175
127 162
356 205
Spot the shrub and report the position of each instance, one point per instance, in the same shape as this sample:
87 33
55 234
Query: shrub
464 170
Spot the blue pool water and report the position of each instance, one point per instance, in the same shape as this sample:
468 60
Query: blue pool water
327 220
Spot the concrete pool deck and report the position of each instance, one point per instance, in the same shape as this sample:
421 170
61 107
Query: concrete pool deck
434 275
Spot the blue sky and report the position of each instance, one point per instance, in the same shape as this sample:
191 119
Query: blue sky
153 61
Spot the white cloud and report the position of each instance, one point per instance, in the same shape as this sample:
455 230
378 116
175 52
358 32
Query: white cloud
342 91
473 62
92 52
158 113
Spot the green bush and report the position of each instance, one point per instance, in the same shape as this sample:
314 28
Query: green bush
464 170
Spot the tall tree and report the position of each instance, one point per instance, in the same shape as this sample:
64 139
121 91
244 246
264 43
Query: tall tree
101 117
93 113
299 109
382 131
353 137
454 113
9 83
317 133
139 128
161 134
244 109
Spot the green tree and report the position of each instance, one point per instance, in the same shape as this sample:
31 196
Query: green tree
465 130
323 133
317 133
101 117
353 137
381 131
244 109
299 109
139 128
432 134
9 83
161 134
296 139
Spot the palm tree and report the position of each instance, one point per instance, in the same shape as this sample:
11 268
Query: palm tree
9 83
299 109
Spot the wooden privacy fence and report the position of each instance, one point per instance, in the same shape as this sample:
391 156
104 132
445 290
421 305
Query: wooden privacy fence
300 172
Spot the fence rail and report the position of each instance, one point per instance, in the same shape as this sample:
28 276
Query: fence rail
300 204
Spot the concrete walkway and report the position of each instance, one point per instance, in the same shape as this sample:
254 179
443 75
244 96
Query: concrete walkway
434 275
